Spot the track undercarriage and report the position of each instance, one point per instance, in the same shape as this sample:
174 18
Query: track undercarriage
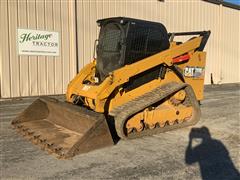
165 108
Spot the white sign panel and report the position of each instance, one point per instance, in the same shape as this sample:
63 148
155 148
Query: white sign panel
36 42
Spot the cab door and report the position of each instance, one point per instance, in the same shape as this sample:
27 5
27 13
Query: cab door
110 49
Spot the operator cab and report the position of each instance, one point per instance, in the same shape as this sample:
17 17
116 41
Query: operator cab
124 41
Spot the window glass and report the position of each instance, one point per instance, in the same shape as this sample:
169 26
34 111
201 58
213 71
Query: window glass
111 39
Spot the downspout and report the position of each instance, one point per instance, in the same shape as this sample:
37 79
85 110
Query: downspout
76 31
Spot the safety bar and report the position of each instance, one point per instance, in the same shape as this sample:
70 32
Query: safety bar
205 35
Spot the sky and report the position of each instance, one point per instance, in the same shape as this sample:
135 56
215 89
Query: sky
233 1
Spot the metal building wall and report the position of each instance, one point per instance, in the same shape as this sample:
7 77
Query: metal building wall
40 75
223 52
36 75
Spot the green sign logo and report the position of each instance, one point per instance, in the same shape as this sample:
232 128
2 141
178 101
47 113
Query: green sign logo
29 37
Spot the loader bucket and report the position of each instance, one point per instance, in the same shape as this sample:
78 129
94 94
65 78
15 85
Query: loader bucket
62 128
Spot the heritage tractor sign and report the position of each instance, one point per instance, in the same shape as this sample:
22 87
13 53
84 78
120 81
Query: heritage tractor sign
36 42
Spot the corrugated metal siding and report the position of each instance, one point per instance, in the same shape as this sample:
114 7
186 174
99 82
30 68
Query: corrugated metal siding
195 15
37 75
230 49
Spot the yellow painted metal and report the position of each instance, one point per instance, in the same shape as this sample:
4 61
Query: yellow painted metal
180 95
197 59
165 113
97 96
76 86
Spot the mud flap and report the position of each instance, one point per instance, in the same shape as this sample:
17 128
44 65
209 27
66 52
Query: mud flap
62 128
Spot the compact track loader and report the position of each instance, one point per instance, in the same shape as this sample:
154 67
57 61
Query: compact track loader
141 83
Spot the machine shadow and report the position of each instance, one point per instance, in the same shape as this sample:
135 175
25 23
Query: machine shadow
212 156
111 126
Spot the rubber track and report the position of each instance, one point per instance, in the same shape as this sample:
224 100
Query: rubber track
123 112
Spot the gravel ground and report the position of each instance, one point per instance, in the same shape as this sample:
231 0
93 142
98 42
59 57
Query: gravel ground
210 150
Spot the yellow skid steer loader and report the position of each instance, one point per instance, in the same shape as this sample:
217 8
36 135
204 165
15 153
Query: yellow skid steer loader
141 83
